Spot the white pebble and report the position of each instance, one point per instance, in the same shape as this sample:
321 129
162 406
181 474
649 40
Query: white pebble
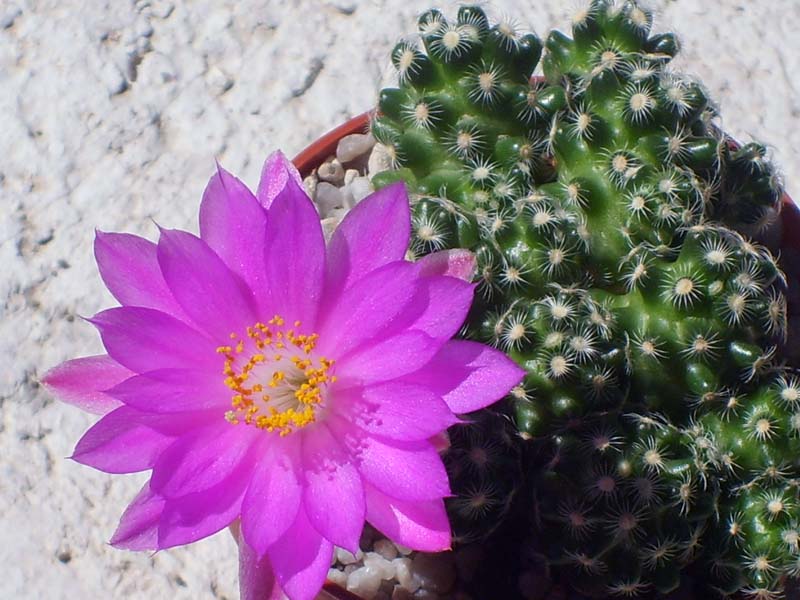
338 577
359 189
344 557
329 225
350 175
384 567
379 160
386 549
353 146
405 551
405 576
310 185
364 582
331 171
436 571
328 198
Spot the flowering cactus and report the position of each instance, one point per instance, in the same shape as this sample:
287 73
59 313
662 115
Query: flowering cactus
267 380
613 224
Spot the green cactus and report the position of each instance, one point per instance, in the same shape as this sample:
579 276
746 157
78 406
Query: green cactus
611 220
627 503
484 467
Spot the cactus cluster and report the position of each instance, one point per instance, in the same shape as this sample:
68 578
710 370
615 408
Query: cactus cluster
614 226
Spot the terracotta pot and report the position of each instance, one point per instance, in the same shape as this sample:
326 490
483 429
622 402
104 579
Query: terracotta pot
316 153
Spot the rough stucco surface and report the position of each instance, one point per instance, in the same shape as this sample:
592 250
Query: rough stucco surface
111 116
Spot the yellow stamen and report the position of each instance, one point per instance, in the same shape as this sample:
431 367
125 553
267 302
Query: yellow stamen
298 390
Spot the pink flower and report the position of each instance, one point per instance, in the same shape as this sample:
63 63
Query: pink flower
266 378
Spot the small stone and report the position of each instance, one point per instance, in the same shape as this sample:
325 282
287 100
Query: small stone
386 549
379 160
359 189
328 198
353 146
350 175
404 550
405 576
329 225
344 557
338 577
384 567
332 172
310 185
364 582
437 572
350 568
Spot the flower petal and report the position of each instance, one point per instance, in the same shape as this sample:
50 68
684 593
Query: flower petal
216 299
375 232
468 375
138 527
129 268
395 409
143 339
199 515
333 494
406 470
233 224
82 381
421 524
173 390
127 440
373 304
448 303
452 263
256 577
301 559
274 495
201 459
294 255
276 172
388 358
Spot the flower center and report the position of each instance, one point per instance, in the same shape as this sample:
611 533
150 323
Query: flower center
276 380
